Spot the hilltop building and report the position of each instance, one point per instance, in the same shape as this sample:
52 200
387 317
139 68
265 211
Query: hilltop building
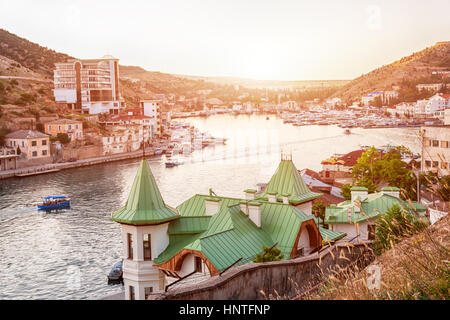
89 86
357 217
209 233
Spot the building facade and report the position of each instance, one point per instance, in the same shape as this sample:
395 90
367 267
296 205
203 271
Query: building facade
73 128
32 144
436 149
89 86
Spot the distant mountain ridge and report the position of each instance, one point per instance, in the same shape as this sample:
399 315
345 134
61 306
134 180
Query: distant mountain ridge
418 65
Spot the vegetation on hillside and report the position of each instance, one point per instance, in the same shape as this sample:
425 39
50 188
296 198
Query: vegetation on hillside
413 69
415 268
29 54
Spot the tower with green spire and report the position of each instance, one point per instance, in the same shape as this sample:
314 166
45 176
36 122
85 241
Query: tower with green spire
144 222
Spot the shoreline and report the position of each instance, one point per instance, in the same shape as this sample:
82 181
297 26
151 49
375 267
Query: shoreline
55 167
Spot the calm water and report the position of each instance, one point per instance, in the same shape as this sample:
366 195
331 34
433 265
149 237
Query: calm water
67 255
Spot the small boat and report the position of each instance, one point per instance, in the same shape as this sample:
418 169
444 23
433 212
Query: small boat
171 164
54 202
116 272
347 131
158 151
267 118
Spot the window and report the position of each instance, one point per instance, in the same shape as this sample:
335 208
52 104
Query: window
371 232
445 144
147 247
44 152
49 128
44 142
435 143
34 154
132 293
197 264
23 143
444 165
130 245
435 164
34 143
427 163
148 291
70 127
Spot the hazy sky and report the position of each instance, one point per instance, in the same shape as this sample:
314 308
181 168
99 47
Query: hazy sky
260 39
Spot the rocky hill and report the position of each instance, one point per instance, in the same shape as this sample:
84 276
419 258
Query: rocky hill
29 55
417 67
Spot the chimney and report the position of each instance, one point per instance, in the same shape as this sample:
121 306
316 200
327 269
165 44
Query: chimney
254 212
360 192
391 191
211 206
243 206
272 196
250 194
285 198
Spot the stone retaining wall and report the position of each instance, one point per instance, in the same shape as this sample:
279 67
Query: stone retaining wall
287 278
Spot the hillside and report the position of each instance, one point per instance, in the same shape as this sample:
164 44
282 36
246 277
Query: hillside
417 67
415 268
28 54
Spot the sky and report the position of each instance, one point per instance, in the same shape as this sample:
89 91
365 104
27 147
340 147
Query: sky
256 39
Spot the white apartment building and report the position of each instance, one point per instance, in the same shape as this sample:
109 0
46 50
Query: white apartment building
436 149
89 86
124 138
431 86
367 99
389 95
290 105
152 109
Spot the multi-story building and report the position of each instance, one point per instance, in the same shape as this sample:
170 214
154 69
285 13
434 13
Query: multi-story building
152 109
389 95
73 128
89 86
436 149
32 144
432 86
367 99
124 138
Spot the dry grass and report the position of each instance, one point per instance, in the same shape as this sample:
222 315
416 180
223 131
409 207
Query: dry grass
415 268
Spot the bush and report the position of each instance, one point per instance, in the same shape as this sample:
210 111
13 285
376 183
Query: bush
395 225
63 138
273 255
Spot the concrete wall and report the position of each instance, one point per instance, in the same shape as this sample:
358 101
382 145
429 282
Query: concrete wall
289 278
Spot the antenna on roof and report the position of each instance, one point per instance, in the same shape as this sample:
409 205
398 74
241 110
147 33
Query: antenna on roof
143 144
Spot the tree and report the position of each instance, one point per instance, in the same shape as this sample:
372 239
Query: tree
373 168
444 188
318 210
396 224
267 255
345 191
18 150
63 138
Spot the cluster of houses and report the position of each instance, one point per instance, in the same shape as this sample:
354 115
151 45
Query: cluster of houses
208 233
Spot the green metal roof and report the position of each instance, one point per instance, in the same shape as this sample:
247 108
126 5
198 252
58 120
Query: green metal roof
287 180
145 204
390 189
373 206
356 188
230 234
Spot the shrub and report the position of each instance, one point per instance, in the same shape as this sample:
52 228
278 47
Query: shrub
63 138
267 255
395 225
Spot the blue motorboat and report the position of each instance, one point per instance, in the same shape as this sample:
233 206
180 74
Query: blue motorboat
54 202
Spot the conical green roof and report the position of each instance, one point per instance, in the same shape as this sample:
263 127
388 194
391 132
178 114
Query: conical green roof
287 180
145 204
